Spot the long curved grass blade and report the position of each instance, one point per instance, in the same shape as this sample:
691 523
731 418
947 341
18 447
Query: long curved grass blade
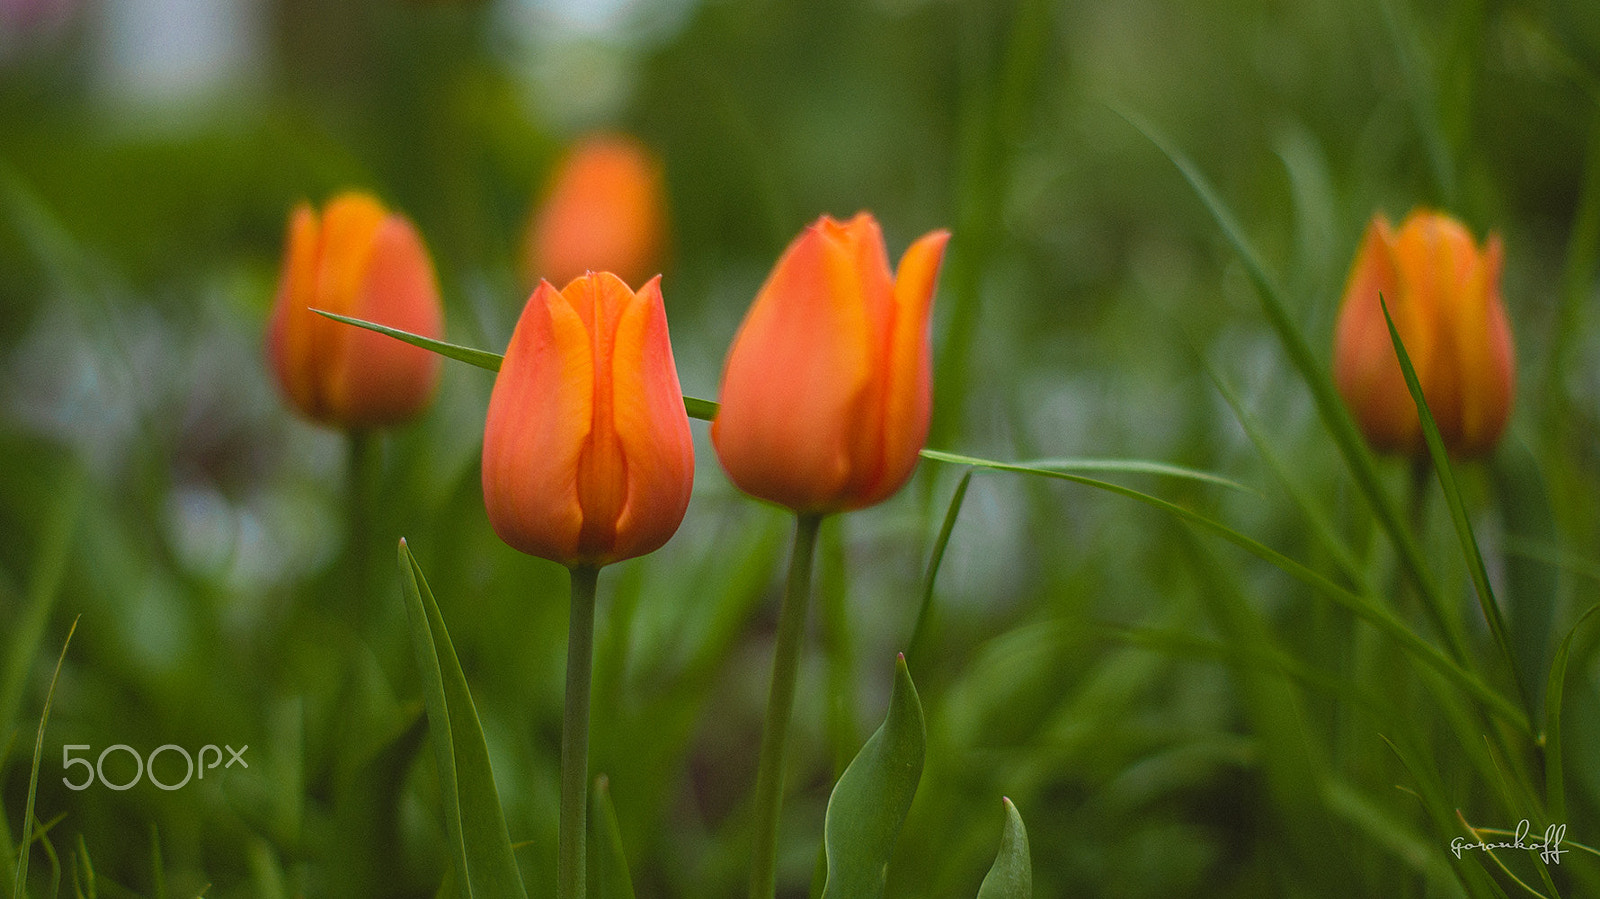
481 358
1532 585
1314 516
1326 399
44 584
20 883
705 410
925 610
612 879
479 843
1458 509
1555 784
1012 874
872 797
1137 466
1363 607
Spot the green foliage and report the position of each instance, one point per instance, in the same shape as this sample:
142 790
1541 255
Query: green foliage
871 799
1156 588
480 846
1012 874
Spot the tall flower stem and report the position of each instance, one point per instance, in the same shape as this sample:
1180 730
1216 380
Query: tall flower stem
780 700
570 863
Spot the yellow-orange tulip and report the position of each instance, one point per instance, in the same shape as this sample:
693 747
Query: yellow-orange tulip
603 211
1443 293
586 451
827 388
360 260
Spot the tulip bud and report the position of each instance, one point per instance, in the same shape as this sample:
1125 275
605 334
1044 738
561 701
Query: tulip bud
1443 294
586 451
358 260
603 211
827 388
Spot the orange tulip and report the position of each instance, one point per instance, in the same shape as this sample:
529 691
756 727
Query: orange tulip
1443 293
586 451
827 388
359 260
603 211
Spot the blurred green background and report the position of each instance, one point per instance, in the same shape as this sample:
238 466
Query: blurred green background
1085 657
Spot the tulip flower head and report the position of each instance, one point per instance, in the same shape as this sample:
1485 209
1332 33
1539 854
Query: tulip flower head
586 451
827 389
1443 293
360 260
603 211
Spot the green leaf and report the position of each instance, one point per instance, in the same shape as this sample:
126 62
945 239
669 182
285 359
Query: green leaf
611 880
1458 511
1012 874
19 886
1135 466
705 410
1330 408
474 822
1555 785
925 610
1364 607
872 797
481 358
44 585
1532 584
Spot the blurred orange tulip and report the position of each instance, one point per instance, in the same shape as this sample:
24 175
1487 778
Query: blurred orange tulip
827 388
1443 293
586 451
603 211
363 261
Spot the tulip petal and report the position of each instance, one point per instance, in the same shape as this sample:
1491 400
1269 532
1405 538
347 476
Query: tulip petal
540 414
908 374
289 341
378 380
1487 359
1365 368
651 426
599 299
795 376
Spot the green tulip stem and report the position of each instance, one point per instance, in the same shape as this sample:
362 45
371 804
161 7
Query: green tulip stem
780 700
362 458
570 863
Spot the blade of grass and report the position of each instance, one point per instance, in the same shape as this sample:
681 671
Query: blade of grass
1330 408
1458 511
1321 526
44 585
1424 102
1430 791
1362 606
1555 785
479 844
705 410
158 867
924 611
612 880
481 358
1533 586
19 885
1137 466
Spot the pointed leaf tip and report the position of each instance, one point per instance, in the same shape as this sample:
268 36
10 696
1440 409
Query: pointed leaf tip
1012 874
873 796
